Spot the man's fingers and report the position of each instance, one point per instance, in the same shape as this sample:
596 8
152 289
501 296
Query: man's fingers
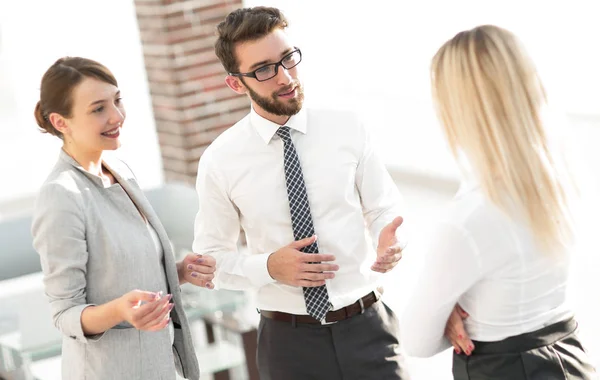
310 284
316 276
397 222
319 268
384 267
394 224
303 242
393 250
381 269
389 258
317 257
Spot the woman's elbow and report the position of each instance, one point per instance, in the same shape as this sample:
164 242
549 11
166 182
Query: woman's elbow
57 320
64 317
419 348
417 340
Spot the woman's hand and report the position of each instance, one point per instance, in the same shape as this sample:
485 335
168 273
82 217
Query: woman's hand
145 311
198 270
455 331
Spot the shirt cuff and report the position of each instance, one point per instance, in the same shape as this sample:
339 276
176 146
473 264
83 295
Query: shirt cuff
255 269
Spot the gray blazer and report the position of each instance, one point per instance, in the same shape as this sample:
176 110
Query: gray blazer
94 246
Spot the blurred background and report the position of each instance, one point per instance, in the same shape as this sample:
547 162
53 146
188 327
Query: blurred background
370 56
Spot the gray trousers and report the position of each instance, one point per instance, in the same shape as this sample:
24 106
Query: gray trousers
363 347
551 353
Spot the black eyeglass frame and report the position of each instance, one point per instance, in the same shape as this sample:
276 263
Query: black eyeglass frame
252 74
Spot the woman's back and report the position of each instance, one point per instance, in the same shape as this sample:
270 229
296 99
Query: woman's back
516 286
502 252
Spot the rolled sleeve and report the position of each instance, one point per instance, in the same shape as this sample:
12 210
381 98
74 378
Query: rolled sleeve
58 231
70 324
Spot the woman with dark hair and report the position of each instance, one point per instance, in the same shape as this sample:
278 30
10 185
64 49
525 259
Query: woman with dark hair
100 242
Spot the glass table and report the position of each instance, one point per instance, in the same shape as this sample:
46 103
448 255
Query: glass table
229 328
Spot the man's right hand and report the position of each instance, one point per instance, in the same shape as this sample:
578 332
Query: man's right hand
291 267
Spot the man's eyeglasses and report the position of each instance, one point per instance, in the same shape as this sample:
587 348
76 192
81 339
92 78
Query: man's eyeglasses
269 71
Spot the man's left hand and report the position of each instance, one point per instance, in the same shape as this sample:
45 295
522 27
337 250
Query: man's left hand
389 252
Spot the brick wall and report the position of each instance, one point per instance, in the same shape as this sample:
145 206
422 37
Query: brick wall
191 102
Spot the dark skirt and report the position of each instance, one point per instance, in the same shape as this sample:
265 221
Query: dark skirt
551 353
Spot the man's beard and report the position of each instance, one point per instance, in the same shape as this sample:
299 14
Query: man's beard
276 106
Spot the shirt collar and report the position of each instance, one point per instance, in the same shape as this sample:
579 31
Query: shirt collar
267 129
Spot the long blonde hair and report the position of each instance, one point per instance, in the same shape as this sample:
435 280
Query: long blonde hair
489 99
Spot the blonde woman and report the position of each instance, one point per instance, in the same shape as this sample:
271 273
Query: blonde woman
501 253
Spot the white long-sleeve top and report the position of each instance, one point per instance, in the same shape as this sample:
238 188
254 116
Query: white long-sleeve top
490 265
241 183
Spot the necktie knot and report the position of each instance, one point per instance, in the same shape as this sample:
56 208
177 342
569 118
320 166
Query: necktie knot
284 134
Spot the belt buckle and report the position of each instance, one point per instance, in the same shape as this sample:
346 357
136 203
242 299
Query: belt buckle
324 320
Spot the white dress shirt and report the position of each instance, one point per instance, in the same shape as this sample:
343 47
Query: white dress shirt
241 183
491 266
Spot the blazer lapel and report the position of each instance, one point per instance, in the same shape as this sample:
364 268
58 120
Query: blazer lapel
136 194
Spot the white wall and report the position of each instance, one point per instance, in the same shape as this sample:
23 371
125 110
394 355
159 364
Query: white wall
374 56
34 33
